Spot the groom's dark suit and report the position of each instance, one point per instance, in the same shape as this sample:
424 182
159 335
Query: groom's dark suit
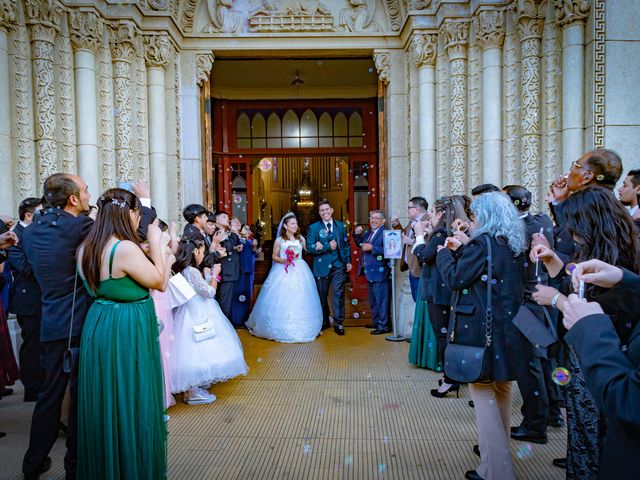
330 266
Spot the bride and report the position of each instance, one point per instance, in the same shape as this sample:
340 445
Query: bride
288 307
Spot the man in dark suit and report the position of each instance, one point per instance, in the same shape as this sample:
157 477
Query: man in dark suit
540 396
50 246
25 303
376 269
611 370
328 243
197 217
230 266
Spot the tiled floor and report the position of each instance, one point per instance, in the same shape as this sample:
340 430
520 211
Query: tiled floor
339 408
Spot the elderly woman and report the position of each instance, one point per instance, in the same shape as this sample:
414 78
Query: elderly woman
496 224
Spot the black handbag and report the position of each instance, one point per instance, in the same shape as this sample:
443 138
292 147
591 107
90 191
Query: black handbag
467 363
535 323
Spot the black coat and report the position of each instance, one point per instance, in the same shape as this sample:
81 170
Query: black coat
25 291
433 288
231 263
612 373
50 245
464 276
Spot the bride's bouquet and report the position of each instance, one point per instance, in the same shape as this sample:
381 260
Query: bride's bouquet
291 254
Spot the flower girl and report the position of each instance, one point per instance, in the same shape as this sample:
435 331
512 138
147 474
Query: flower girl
206 348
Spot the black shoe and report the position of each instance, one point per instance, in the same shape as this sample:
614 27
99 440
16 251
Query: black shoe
476 449
3 434
5 392
339 329
325 326
471 404
370 325
453 388
46 465
472 475
380 331
560 462
524 434
556 421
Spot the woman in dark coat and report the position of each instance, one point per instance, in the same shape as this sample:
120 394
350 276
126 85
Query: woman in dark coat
496 221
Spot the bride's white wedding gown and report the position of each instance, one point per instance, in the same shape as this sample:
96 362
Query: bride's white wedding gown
288 307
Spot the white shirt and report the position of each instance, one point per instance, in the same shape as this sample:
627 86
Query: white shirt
634 210
330 222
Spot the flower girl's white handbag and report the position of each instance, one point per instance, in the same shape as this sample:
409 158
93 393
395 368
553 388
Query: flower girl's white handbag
204 331
180 291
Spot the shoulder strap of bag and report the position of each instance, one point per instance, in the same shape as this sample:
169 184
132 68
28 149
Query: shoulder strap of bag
73 308
488 314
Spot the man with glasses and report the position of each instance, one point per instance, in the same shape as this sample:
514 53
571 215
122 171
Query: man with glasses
417 212
375 268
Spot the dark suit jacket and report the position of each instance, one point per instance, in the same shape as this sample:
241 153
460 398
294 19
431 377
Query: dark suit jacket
231 263
50 245
464 276
373 265
25 291
322 259
612 373
433 288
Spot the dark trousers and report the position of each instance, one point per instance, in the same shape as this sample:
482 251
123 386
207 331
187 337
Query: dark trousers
413 283
45 422
439 319
224 295
30 370
535 401
336 279
379 299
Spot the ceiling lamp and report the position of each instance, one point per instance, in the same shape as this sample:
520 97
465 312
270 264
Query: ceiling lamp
297 81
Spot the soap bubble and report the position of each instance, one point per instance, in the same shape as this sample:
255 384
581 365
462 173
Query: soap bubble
525 451
484 278
561 376
242 298
354 301
379 257
356 315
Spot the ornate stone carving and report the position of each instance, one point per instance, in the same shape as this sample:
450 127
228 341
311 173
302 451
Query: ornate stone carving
419 4
25 179
599 75
141 129
442 89
511 132
224 19
530 25
569 11
381 61
43 19
489 28
66 137
157 50
455 35
359 16
158 4
291 16
204 63
122 44
394 14
475 111
106 147
178 123
551 89
424 48
86 30
8 14
187 14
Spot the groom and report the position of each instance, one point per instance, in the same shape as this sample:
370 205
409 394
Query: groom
328 243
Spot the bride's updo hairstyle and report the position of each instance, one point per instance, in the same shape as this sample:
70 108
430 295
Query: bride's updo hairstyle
283 230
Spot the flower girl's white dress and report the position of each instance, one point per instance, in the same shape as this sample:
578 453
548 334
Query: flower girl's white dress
288 307
213 360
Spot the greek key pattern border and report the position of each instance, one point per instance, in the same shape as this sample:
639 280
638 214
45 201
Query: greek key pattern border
599 70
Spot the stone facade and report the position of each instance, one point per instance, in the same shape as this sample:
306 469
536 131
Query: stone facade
502 91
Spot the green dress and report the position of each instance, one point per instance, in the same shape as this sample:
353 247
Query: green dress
121 427
423 351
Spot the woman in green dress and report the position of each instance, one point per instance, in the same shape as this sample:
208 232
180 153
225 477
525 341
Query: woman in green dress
121 427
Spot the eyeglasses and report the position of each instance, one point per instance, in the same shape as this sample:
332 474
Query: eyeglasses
376 218
575 164
409 207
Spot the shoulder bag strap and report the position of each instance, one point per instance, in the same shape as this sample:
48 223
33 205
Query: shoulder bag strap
73 308
489 310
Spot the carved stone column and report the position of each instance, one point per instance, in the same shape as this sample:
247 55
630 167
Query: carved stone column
86 34
157 53
44 23
490 36
8 13
456 37
204 64
424 49
571 16
122 50
530 24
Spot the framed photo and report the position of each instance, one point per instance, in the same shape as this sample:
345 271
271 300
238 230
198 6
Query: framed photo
392 244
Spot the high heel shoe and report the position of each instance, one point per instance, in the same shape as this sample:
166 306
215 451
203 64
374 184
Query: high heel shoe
453 388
